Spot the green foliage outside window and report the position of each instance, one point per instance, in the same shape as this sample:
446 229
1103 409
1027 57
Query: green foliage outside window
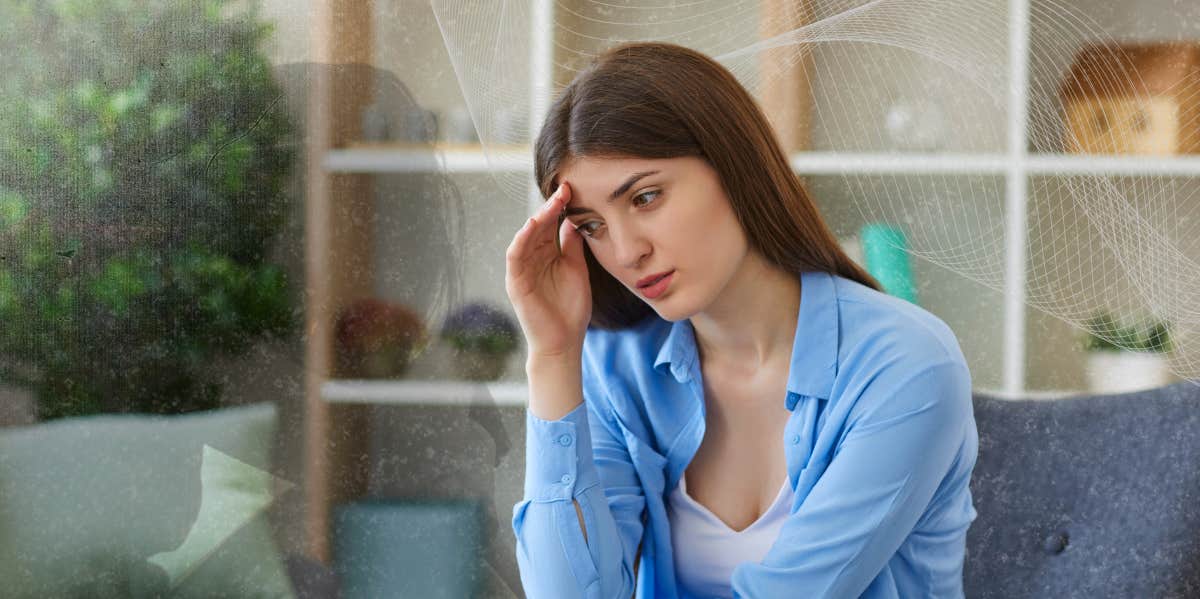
142 175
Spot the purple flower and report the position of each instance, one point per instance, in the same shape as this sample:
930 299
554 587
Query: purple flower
477 325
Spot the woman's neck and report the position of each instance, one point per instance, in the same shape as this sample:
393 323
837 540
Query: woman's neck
753 322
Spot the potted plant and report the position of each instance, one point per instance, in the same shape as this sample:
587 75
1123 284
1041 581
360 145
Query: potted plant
1124 358
482 337
378 339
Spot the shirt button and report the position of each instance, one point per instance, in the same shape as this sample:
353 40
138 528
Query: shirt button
566 479
795 439
564 440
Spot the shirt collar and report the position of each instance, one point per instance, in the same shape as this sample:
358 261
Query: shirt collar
814 350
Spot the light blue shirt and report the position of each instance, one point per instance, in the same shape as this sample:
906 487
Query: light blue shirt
880 444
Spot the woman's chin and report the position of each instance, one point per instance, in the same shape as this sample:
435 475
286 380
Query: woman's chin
671 308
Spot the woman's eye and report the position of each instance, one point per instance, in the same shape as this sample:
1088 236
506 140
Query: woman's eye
586 229
646 193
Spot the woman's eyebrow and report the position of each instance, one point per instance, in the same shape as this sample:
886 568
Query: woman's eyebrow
618 192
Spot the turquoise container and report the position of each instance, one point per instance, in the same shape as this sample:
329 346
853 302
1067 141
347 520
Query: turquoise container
432 549
885 252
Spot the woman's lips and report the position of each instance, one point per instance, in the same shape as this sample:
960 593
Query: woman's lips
657 289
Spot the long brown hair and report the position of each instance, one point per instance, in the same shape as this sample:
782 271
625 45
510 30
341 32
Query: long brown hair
661 100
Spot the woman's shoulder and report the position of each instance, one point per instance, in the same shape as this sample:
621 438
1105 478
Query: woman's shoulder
896 358
892 329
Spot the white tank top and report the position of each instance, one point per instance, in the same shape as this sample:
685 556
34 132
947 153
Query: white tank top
707 550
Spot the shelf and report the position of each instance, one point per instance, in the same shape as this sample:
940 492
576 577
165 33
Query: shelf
415 158
510 393
1112 165
826 163
388 158
424 158
426 392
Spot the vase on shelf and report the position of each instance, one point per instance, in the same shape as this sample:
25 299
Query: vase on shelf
378 339
482 337
1124 357
916 125
387 363
885 257
1126 371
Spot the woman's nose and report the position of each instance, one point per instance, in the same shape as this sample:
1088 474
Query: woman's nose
631 248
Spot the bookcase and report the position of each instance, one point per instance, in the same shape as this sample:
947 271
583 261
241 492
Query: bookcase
1009 184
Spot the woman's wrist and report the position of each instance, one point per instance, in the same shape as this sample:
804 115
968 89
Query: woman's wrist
540 362
555 384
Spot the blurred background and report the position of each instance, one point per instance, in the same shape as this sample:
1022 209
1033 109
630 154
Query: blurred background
254 339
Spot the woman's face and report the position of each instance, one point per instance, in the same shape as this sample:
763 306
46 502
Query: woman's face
668 214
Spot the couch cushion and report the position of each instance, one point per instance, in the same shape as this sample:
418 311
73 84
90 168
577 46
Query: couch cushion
1094 496
140 505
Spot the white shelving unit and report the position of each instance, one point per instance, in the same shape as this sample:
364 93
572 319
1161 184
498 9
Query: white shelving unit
1016 185
1016 164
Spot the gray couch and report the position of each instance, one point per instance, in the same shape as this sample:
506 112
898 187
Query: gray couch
1094 496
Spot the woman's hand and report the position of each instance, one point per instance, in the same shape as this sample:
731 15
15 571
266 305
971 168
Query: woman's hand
550 291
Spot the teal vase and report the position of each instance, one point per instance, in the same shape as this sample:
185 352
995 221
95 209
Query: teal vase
885 252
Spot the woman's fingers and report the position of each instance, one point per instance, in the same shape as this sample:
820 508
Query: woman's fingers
537 225
533 234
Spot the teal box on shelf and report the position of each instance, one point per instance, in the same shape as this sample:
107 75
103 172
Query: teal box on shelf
885 253
431 549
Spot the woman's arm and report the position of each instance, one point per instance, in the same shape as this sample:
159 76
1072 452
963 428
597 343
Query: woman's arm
580 522
547 404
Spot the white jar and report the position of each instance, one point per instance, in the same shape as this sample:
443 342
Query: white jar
1125 371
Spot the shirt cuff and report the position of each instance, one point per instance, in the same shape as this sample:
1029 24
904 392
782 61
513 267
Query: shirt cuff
558 456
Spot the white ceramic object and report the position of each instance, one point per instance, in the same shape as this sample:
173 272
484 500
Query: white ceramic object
1124 371
916 124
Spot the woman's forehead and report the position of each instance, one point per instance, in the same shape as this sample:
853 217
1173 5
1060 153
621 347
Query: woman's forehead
604 166
605 170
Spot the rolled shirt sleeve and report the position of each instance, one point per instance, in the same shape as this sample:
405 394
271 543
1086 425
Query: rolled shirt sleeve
554 559
901 440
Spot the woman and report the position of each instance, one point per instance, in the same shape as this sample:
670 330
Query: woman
762 422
